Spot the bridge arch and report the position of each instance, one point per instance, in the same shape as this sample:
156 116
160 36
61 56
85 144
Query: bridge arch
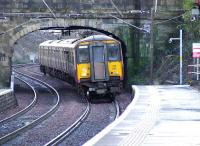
10 38
63 24
108 33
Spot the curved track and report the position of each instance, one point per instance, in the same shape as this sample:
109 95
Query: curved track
72 128
66 132
26 109
33 123
58 139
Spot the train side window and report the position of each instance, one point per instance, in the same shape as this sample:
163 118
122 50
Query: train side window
66 55
69 56
72 58
113 52
83 54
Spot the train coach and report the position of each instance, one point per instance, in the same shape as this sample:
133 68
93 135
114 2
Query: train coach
93 64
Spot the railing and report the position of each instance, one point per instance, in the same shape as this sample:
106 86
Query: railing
194 72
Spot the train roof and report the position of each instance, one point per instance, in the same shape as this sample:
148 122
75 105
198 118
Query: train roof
97 38
71 43
60 43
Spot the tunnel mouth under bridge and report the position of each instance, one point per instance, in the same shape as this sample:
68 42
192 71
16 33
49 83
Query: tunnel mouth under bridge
10 37
89 28
72 28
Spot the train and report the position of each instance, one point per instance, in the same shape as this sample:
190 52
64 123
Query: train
94 64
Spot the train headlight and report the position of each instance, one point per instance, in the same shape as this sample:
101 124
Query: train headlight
84 72
115 73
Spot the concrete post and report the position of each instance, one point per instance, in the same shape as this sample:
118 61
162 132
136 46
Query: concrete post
151 45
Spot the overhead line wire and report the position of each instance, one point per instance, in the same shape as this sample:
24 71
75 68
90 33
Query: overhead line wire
173 17
169 19
139 28
120 13
49 9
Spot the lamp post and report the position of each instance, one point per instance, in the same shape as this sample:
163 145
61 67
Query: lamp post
181 53
156 5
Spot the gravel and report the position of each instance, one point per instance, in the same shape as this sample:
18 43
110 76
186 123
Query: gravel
38 110
102 114
71 107
23 99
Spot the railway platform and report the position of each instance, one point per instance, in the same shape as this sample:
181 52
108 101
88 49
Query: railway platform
4 91
157 116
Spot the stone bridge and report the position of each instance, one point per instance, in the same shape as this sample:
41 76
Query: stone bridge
8 38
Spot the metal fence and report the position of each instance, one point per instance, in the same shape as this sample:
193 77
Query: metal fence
194 72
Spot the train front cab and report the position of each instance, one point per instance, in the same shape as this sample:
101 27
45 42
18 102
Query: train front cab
100 67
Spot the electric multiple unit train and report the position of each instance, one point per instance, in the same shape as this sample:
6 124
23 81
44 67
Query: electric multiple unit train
93 64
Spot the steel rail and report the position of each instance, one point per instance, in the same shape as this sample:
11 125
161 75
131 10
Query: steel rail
15 133
30 66
115 102
32 72
22 65
26 109
58 139
76 124
70 129
36 73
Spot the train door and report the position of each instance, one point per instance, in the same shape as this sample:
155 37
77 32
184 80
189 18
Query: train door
98 63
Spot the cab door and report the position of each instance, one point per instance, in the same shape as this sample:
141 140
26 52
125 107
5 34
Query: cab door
98 63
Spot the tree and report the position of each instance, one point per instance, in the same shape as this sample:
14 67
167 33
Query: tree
191 28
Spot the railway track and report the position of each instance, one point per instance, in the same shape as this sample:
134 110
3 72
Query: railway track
116 104
26 109
23 127
33 72
73 127
61 137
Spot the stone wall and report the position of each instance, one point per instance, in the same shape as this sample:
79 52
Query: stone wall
64 6
72 6
7 100
5 70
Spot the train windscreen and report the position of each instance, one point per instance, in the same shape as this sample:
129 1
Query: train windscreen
83 54
113 52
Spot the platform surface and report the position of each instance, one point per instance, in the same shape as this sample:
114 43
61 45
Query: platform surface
158 116
5 91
